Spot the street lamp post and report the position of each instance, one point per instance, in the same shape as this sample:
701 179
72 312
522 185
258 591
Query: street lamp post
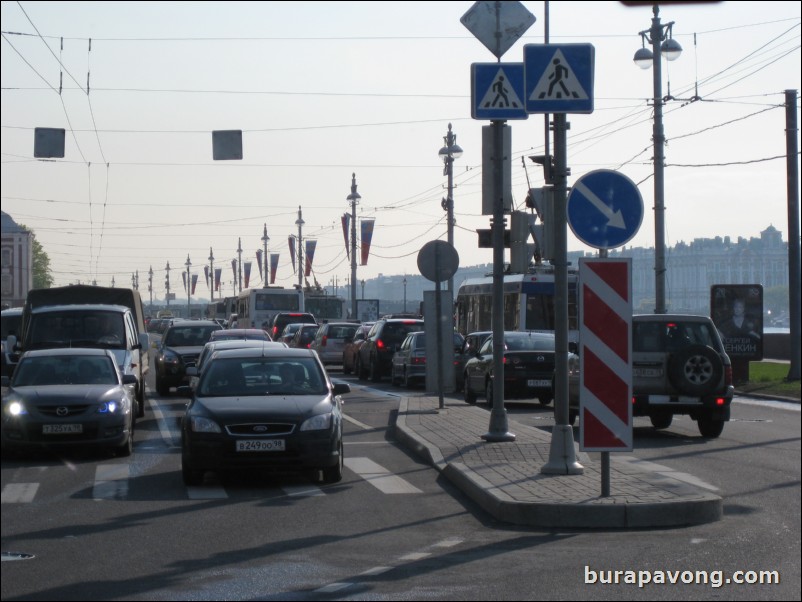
265 240
405 294
189 285
300 223
363 288
211 271
353 198
448 153
659 36
167 283
239 265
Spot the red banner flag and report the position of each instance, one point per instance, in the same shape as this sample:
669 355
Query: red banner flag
206 274
310 255
273 267
259 261
184 278
247 273
194 283
367 236
218 272
346 220
291 242
234 268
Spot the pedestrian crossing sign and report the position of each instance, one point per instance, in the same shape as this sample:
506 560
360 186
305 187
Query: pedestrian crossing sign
558 78
497 91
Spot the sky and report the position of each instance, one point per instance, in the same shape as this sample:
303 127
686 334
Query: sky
324 90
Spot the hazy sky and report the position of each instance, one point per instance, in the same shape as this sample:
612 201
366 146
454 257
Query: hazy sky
322 90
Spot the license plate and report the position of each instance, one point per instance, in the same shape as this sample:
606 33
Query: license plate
538 383
260 445
647 372
60 429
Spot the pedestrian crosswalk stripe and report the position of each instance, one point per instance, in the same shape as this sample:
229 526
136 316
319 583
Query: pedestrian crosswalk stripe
19 493
380 477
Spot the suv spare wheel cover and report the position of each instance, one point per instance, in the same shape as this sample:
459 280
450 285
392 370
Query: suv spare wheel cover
695 370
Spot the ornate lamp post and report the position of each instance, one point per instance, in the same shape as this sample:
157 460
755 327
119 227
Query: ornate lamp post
659 36
189 285
448 153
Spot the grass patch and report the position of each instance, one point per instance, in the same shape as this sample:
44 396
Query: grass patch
768 378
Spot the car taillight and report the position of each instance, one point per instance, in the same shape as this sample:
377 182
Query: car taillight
323 341
380 344
720 401
418 360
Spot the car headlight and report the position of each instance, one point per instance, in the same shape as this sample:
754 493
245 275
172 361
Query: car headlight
114 406
200 424
317 423
16 408
171 357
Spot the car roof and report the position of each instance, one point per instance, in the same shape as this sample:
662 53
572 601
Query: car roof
240 343
74 351
80 307
12 311
184 323
241 332
271 351
670 317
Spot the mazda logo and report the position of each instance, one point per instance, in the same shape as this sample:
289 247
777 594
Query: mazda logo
62 411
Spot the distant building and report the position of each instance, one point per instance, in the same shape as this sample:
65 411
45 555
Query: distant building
691 269
16 262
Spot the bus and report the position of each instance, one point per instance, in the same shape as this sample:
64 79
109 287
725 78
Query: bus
256 307
325 307
528 302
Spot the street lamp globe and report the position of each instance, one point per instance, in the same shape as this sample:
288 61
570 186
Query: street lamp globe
671 49
643 58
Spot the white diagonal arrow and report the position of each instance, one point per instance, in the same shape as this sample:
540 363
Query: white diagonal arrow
614 220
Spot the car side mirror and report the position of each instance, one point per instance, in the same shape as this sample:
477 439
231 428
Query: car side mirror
341 388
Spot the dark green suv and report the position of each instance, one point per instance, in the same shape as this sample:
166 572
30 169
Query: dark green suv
385 337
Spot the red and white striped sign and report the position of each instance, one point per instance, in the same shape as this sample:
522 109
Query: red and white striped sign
605 354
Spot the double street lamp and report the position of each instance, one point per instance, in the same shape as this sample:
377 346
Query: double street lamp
659 36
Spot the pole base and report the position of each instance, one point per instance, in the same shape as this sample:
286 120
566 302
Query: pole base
498 427
562 459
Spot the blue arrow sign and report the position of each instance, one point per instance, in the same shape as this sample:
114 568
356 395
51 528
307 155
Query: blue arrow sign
559 78
605 209
497 91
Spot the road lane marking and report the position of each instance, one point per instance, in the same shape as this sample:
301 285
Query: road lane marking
380 477
19 493
111 482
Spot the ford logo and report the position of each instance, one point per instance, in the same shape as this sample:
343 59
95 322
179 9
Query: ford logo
541 358
260 429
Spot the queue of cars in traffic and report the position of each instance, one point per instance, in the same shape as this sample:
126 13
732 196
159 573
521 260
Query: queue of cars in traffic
264 398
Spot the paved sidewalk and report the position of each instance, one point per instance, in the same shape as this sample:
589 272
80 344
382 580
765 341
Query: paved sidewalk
505 479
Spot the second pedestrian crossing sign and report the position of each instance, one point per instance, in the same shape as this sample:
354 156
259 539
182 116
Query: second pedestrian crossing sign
497 91
558 78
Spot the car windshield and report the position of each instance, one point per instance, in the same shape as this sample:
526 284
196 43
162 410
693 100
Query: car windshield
64 370
75 328
189 336
258 376
672 335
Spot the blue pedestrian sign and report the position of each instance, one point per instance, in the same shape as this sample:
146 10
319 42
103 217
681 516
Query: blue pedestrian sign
605 209
497 91
559 78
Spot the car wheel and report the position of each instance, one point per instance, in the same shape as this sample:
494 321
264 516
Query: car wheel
334 474
661 420
192 476
127 448
544 399
469 396
360 369
375 373
140 400
161 387
346 367
695 370
489 393
709 427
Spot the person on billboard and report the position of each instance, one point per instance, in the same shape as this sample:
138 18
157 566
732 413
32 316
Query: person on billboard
740 324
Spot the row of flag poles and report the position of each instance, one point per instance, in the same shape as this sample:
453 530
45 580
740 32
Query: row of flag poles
310 246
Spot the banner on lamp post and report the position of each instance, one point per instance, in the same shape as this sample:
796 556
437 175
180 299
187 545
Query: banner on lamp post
367 236
218 273
310 255
194 283
346 221
273 267
291 243
206 275
247 273
259 262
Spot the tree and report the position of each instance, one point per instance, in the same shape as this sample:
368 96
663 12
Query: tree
42 277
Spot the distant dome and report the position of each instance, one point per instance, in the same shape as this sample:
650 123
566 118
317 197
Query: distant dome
8 225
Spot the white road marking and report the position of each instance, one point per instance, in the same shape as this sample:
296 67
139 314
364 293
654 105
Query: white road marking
19 493
380 477
111 482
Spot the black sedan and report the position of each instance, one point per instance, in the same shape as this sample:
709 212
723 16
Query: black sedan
528 368
68 397
263 409
180 347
